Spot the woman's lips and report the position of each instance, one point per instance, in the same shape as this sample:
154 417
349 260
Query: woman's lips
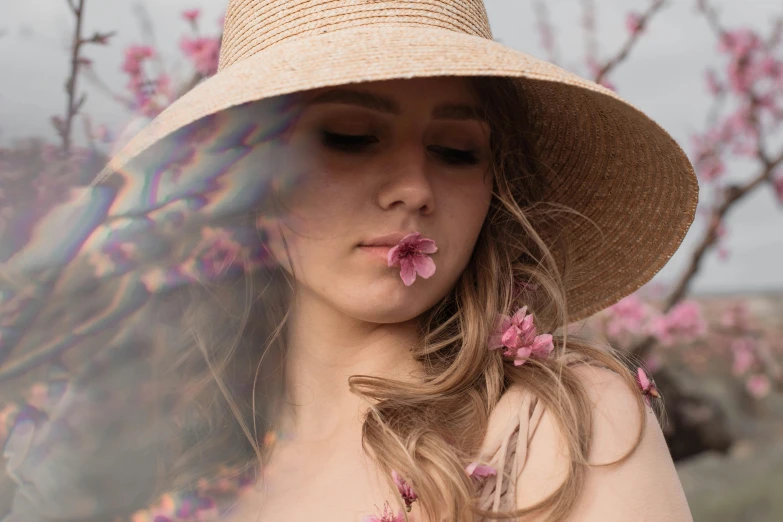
380 251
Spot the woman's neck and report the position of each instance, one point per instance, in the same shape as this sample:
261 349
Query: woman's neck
324 348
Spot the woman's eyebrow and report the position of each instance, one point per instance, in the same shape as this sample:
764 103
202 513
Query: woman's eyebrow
387 105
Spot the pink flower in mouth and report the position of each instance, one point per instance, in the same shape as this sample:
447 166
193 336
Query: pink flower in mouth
406 491
412 256
518 337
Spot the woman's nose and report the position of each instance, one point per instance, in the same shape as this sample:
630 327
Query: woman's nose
407 183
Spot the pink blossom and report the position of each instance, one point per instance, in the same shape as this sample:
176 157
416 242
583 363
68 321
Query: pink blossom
412 256
736 316
191 15
713 84
387 516
758 386
743 350
711 168
634 22
134 56
406 491
518 336
480 471
777 183
684 323
204 53
628 316
647 385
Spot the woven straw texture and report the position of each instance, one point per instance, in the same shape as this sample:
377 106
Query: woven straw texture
608 160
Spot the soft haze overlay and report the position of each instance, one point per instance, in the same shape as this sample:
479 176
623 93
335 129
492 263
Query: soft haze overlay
663 77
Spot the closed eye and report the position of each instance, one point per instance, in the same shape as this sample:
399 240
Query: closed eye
352 144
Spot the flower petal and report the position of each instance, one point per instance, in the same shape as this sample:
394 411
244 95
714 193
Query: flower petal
481 471
407 271
642 379
424 266
519 316
426 246
510 337
393 256
542 345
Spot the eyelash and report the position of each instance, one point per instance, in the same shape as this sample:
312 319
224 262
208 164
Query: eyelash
354 144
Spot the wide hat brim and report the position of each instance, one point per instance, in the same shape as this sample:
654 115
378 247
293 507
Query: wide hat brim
610 162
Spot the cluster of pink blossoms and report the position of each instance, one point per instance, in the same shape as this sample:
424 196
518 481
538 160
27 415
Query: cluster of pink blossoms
754 77
519 339
146 93
683 322
632 317
203 51
746 350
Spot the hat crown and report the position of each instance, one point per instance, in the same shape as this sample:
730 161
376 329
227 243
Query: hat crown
254 25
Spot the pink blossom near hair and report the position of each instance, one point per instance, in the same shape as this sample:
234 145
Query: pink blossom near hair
411 254
406 491
647 385
518 336
388 515
480 471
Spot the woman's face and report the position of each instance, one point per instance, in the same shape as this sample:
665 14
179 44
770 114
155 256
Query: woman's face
379 159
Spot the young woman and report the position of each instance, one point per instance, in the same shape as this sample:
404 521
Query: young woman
348 261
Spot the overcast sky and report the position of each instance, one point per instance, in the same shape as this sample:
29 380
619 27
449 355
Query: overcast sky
664 78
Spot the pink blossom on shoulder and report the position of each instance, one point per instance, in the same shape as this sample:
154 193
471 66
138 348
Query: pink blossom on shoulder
647 385
412 255
388 515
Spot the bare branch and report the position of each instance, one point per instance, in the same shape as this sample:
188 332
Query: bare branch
73 106
625 50
74 9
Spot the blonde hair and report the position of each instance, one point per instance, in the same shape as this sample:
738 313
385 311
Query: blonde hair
427 431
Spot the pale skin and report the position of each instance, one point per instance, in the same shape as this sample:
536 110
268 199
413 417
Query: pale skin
353 315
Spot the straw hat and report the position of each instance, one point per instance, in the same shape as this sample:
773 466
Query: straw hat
609 161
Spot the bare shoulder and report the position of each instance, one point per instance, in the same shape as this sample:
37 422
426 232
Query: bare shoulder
644 487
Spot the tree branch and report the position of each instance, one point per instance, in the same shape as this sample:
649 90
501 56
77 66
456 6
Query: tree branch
73 106
625 50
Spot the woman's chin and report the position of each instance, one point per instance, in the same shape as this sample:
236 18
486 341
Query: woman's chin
388 300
